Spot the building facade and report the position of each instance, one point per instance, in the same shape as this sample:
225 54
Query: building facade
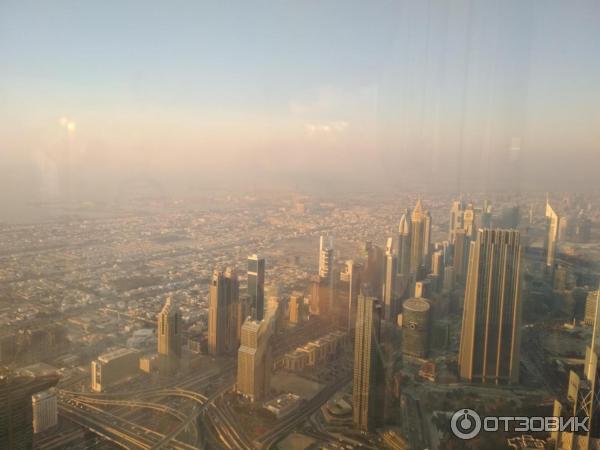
416 327
256 286
169 338
223 312
113 368
45 410
490 335
368 389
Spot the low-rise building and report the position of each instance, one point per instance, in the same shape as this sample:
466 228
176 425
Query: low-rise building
113 368
45 410
315 353
149 363
283 404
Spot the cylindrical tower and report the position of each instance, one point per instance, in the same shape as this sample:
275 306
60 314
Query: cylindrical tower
416 320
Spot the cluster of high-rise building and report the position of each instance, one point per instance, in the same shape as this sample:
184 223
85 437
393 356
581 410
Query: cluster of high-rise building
583 398
485 260
236 325
563 225
399 285
390 301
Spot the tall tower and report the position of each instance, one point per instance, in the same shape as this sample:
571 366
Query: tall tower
254 360
420 237
583 398
469 224
326 276
416 319
169 337
390 297
461 254
551 234
325 256
438 266
368 390
485 220
404 230
426 236
456 219
490 337
222 312
256 286
350 281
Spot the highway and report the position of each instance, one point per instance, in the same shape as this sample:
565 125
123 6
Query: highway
287 424
223 421
96 420
83 408
192 418
220 420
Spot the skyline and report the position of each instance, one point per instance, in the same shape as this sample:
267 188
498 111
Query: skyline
122 307
301 224
310 95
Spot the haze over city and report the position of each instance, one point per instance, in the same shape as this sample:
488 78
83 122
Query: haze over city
310 95
299 225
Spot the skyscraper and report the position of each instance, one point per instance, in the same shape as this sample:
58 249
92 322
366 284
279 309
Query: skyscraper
426 237
256 286
390 295
456 219
461 254
551 234
476 218
404 239
326 276
485 219
490 338
420 237
325 256
254 360
223 310
416 327
349 287
315 307
583 398
437 263
469 224
368 389
169 337
373 268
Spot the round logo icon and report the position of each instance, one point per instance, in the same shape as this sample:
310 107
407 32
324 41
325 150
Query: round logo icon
465 424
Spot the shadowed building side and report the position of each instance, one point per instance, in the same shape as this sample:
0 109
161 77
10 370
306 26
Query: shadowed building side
16 410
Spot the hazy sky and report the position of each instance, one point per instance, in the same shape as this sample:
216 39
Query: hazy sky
297 93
